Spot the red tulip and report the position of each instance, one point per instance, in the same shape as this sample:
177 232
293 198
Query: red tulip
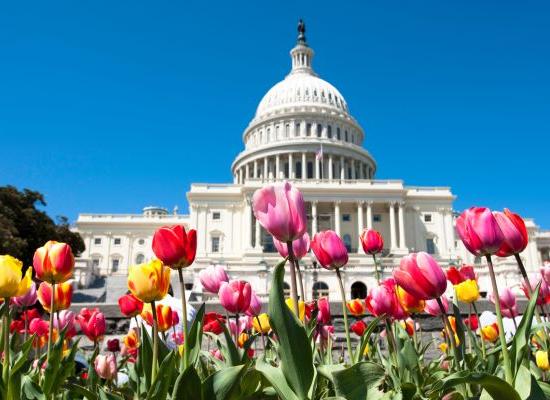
472 321
323 310
515 233
212 323
53 262
372 241
421 276
174 247
130 305
300 246
40 328
480 231
92 323
281 211
62 299
235 296
329 249
358 327
456 276
113 345
356 307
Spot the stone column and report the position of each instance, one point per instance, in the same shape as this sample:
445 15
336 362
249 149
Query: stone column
353 176
442 239
401 218
277 167
324 131
265 170
291 166
359 224
317 162
304 166
247 171
257 233
247 222
240 175
313 218
393 244
292 128
369 214
204 227
303 129
342 169
337 217
255 172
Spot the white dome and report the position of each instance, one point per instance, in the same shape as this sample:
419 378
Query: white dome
301 89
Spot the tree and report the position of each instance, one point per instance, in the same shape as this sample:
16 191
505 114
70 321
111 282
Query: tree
24 228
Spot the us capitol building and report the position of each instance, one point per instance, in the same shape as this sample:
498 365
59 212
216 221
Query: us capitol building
302 131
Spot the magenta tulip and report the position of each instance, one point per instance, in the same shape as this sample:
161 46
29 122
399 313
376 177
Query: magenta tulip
323 310
381 300
421 276
28 299
300 246
432 307
212 277
281 211
235 296
329 249
372 241
515 233
480 231
508 304
255 307
545 272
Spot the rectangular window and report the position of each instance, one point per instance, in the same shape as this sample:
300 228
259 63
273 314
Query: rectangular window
308 129
427 217
298 169
117 241
97 240
115 264
346 217
430 246
216 215
377 218
215 244
310 170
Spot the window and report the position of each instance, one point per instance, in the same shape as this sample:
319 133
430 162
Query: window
115 264
347 242
141 242
377 218
358 290
216 215
320 289
346 136
310 169
308 129
430 246
319 129
140 259
346 217
117 241
329 132
427 217
97 240
287 130
215 244
95 262
338 133
298 170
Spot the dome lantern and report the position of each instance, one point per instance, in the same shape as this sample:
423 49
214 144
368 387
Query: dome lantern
301 54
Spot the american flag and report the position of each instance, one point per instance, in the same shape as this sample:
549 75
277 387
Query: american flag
319 154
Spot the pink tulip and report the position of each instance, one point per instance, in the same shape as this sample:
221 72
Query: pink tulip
432 307
480 231
421 276
255 307
65 319
545 272
515 233
245 323
300 246
28 299
323 313
105 366
212 277
329 249
372 241
235 296
381 300
399 312
281 211
508 304
544 291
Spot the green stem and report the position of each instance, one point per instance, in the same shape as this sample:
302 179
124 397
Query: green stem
450 332
345 312
154 367
261 332
50 333
6 334
505 355
483 351
293 290
300 281
184 322
376 273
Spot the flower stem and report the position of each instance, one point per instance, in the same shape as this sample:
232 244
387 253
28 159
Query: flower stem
376 273
6 334
293 290
345 312
529 289
450 332
155 342
184 321
505 356
50 332
482 341
300 280
261 332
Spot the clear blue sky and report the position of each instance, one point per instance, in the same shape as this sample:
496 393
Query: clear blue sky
111 106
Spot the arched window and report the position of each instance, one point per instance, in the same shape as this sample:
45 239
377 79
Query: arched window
140 259
358 290
286 289
320 289
347 242
319 130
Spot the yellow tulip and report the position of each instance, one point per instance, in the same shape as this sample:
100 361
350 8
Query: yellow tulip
242 339
366 351
542 360
150 281
301 307
467 291
261 323
490 332
443 347
12 281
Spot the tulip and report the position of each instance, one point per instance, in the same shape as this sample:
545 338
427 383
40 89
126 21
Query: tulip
408 326
323 310
92 323
467 291
507 302
329 249
216 353
29 298
356 307
130 306
456 276
261 323
235 296
242 324
212 277
175 247
61 300
65 320
515 233
113 345
421 276
300 246
372 241
54 262
301 307
359 327
164 316
409 303
472 322
432 306
131 343
40 328
281 211
381 301
542 360
105 366
242 339
213 323
150 281
255 306
490 333
12 282
544 290
545 272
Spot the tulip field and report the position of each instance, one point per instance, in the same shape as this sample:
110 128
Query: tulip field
287 352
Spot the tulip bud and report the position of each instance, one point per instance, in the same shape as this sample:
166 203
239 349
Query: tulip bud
542 360
54 262
323 310
329 249
480 231
62 299
358 327
130 305
174 247
515 233
164 316
421 276
12 283
150 281
356 307
372 241
105 366
29 298
235 296
113 345
432 306
261 323
212 277
92 323
467 291
212 323
490 332
300 246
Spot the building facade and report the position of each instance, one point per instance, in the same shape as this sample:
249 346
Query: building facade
302 132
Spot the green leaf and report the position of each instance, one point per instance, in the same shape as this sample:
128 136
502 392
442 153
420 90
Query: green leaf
366 336
277 379
526 385
294 347
31 389
22 357
328 369
195 337
104 395
229 349
188 385
356 382
497 388
80 391
163 380
93 378
221 384
53 366
145 356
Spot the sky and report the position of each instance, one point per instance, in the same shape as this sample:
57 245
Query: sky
107 107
